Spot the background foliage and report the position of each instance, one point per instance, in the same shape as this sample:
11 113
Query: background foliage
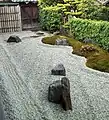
50 20
52 12
96 30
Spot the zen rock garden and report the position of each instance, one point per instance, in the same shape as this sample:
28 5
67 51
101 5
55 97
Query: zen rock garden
67 92
59 91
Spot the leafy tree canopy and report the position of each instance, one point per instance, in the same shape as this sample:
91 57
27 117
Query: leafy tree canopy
89 9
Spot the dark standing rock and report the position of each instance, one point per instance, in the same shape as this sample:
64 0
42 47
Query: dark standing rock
59 92
55 91
61 42
65 98
58 70
14 38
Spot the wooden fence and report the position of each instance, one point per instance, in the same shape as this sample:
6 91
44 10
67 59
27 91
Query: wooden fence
10 19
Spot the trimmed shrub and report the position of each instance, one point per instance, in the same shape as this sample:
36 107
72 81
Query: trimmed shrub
50 20
89 29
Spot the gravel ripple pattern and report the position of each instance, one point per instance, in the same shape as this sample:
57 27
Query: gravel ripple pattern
25 75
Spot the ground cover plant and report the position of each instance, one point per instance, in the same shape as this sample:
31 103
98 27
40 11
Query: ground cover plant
97 58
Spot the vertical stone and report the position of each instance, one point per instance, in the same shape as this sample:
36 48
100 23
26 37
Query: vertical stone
65 98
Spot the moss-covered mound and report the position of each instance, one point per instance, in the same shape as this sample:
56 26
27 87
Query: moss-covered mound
97 58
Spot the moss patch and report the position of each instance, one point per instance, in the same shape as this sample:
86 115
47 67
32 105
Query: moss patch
98 59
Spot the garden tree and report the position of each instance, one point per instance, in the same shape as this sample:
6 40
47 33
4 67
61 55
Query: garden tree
54 14
64 8
91 9
79 7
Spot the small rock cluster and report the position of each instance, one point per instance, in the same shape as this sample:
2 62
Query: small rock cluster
14 38
59 91
61 41
87 48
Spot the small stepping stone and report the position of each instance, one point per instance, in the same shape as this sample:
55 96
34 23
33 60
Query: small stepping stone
58 70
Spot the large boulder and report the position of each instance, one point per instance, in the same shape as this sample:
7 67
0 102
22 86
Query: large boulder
55 91
14 38
59 92
58 70
61 41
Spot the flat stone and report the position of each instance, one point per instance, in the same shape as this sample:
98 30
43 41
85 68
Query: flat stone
58 70
14 38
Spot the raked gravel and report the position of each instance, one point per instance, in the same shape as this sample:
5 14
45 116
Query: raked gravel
25 75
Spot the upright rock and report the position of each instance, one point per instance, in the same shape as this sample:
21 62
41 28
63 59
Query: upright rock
55 91
65 98
58 70
59 92
14 38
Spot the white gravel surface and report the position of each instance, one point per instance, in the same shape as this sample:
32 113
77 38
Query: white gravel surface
25 75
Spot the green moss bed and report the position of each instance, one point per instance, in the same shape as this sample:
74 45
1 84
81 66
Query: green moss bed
98 59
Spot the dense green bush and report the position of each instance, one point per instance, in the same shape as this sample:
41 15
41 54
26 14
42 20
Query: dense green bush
50 20
96 30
